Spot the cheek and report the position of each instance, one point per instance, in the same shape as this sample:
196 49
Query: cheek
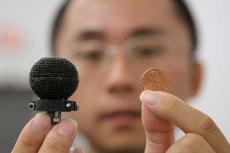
180 79
87 101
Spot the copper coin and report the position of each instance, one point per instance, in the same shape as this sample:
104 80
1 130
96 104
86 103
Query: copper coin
155 79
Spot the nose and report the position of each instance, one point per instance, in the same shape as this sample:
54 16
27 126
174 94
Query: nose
121 80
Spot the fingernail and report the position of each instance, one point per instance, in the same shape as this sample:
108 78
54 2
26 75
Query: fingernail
66 127
149 97
75 150
40 123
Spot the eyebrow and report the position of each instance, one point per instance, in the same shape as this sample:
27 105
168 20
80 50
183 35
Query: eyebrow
90 35
146 31
100 35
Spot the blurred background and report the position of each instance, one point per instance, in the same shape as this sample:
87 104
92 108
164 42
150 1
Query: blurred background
25 28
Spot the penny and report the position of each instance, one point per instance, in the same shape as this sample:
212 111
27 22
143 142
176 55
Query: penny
155 79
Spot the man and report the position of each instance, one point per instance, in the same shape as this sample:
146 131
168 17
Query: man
112 43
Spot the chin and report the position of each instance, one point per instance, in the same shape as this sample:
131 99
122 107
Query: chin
120 143
125 147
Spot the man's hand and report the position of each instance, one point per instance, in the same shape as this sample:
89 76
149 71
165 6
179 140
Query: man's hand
160 111
39 137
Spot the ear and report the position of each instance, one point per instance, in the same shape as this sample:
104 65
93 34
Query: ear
197 77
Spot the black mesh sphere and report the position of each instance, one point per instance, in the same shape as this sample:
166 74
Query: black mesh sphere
53 78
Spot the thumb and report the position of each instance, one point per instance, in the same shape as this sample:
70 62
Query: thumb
159 132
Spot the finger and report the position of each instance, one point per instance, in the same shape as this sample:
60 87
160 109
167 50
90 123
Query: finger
60 138
185 117
33 134
191 143
159 132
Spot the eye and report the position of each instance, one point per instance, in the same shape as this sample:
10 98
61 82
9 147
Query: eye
92 55
147 51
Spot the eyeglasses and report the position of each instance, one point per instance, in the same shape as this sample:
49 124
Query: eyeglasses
95 56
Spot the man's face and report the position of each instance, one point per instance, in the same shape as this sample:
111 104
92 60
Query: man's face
108 95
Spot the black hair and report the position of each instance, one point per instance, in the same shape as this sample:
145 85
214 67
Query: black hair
186 15
181 7
58 22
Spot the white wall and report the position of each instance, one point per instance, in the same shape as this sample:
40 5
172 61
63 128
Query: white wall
34 17
213 17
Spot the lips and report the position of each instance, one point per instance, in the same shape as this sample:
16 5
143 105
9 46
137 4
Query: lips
121 118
